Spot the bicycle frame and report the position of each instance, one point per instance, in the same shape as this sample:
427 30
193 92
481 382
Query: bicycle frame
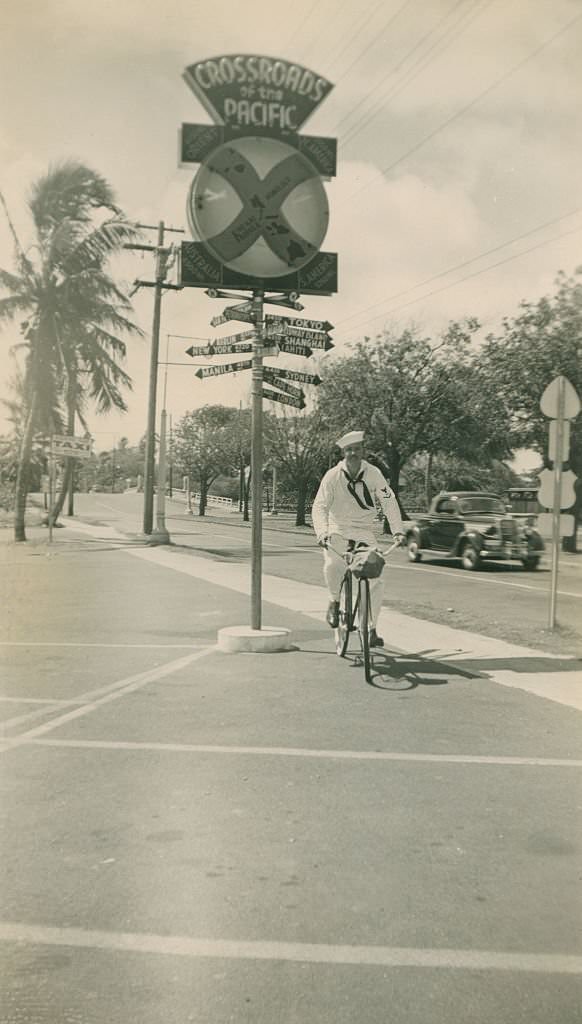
359 610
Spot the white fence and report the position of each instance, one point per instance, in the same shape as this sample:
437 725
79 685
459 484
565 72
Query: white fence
213 499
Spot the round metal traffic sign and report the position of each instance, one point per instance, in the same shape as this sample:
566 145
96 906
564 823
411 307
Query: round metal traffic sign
259 206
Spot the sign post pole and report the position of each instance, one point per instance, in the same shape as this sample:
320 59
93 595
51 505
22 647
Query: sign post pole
51 489
257 462
557 501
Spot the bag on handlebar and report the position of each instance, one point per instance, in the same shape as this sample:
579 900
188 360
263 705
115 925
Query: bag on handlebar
367 563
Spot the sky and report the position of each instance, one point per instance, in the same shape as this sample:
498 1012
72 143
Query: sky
458 189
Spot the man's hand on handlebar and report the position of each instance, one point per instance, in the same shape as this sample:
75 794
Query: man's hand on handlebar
400 538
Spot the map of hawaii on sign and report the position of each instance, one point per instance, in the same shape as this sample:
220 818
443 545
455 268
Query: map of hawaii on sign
259 206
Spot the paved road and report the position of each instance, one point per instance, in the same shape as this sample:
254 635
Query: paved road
500 600
194 837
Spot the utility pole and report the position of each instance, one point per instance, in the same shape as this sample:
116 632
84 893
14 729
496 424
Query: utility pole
158 285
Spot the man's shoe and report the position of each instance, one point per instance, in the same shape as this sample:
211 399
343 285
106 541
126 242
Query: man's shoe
375 640
332 616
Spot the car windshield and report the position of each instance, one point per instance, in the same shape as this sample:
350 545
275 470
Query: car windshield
473 505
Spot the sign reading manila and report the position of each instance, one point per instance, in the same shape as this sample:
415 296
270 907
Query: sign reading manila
257 204
220 368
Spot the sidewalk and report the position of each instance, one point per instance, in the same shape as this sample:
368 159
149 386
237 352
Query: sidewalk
196 836
547 675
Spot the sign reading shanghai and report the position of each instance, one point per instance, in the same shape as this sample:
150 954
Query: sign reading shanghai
251 91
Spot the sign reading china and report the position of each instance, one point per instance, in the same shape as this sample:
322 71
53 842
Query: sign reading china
251 91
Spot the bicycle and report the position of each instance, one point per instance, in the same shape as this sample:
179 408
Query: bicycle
351 612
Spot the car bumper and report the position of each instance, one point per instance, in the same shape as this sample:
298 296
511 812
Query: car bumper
508 552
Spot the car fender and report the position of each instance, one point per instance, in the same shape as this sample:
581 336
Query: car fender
473 536
418 533
535 542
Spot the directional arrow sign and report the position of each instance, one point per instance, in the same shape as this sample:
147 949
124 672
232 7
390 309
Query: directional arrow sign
298 321
297 403
310 338
272 377
216 371
302 378
293 348
234 313
315 338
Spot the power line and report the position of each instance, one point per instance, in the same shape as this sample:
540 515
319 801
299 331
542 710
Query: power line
376 39
476 273
507 74
352 36
440 45
465 263
392 71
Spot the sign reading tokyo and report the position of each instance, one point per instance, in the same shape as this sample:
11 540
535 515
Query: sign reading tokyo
251 91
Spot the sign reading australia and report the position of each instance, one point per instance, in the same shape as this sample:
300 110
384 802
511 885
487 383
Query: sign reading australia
250 91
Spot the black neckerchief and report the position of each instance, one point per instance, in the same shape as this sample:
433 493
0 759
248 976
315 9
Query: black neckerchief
352 489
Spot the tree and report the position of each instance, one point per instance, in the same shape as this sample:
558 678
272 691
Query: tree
74 313
299 446
204 446
411 395
542 342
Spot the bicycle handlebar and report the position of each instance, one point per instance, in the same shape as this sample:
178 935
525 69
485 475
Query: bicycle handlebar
382 551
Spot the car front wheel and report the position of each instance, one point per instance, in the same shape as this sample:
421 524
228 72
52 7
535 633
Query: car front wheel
531 562
413 550
470 557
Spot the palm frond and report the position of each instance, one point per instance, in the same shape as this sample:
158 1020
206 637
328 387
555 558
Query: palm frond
69 190
12 306
101 243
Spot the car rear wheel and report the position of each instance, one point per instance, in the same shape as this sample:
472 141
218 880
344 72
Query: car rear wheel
413 550
470 557
531 562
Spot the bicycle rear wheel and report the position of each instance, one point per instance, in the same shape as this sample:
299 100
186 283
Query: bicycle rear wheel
363 625
342 632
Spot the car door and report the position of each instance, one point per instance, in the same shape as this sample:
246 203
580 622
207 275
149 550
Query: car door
447 525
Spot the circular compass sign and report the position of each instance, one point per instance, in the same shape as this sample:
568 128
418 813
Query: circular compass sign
259 206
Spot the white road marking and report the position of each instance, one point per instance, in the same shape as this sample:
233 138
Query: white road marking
345 755
36 700
109 693
473 578
31 715
298 952
63 643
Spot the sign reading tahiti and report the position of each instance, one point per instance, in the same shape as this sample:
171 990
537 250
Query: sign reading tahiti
252 91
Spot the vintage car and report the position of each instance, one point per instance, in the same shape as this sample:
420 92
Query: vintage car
472 526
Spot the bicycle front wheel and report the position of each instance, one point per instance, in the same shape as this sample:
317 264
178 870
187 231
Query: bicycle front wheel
363 625
342 632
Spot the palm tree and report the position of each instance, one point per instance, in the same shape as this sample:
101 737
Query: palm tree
73 311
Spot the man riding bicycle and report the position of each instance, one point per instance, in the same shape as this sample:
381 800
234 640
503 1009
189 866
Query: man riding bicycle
346 504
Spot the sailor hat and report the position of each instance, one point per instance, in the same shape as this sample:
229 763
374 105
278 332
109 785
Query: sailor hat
353 437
